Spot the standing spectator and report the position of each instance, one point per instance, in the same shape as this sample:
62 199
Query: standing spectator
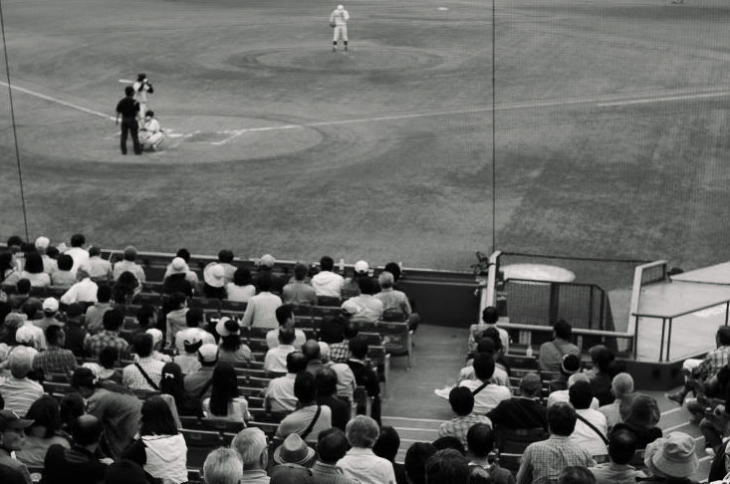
524 411
172 384
415 461
222 466
109 336
214 279
332 446
160 449
77 252
285 318
279 395
642 420
55 359
225 401
275 359
299 292
447 466
119 413
480 438
198 384
49 264
83 291
253 450
542 462
19 391
100 270
261 309
176 319
33 271
487 395
230 348
590 428
12 439
360 462
78 464
188 360
622 387
364 374
310 418
42 433
326 383
65 276
146 372
340 352
327 283
672 459
462 403
552 352
95 313
364 307
176 279
621 450
194 320
241 289
387 447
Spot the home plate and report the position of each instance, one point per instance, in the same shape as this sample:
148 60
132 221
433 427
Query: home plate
443 9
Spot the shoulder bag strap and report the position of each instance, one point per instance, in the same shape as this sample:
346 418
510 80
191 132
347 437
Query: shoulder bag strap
479 389
592 427
309 428
147 377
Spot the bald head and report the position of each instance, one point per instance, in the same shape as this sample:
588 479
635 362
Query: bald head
311 349
87 430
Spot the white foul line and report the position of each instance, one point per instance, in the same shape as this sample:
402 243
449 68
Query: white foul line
58 101
662 99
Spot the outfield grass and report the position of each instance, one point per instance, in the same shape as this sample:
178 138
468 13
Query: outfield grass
394 159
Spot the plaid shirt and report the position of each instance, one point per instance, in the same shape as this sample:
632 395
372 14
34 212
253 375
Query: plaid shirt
459 426
340 352
712 363
94 344
542 462
55 360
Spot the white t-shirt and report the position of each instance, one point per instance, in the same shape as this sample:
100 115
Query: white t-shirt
586 437
240 293
489 397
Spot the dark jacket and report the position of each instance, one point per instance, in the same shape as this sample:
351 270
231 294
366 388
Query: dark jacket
340 410
519 413
71 466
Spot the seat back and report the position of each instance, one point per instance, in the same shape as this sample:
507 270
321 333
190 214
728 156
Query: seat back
515 441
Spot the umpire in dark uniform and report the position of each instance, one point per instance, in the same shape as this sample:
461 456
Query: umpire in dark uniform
128 108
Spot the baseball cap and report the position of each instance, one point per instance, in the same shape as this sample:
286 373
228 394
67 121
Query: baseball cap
42 242
10 420
208 353
50 305
267 260
361 267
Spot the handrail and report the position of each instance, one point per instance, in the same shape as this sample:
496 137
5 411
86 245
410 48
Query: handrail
581 331
562 283
684 313
631 326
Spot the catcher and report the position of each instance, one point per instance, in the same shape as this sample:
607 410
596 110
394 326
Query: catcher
338 21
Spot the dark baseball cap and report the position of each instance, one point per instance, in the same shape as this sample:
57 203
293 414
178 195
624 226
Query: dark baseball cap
10 420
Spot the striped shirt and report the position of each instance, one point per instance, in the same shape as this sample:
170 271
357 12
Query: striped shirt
542 462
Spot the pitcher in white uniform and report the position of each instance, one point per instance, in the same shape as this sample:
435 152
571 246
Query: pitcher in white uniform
338 20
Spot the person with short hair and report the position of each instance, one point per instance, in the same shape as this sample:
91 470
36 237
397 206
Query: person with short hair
21 295
602 372
146 372
83 291
285 318
77 252
65 276
310 418
524 411
100 270
326 382
340 351
576 475
360 462
109 336
415 461
387 447
279 394
332 446
622 388
222 466
19 391
298 291
551 352
489 344
95 313
462 403
55 359
241 288
128 264
326 282
194 321
253 450
447 466
275 359
487 395
346 382
77 464
621 450
590 429
365 307
128 110
261 308
564 395
364 373
542 462
490 316
480 439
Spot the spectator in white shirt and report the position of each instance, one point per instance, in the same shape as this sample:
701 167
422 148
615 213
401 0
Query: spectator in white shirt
591 439
275 359
77 252
564 396
261 309
128 264
285 317
83 291
360 462
279 395
241 289
326 282
146 372
194 318
100 270
487 395
49 264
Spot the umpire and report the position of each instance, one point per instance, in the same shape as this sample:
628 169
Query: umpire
128 108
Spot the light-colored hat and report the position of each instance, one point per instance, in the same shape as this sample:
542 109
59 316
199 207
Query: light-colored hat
50 305
221 329
208 353
340 7
178 266
672 456
294 451
42 242
156 335
267 260
361 267
24 334
214 275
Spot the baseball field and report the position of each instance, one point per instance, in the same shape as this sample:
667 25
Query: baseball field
611 128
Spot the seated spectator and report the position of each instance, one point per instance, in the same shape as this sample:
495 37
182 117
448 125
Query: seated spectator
106 369
350 286
387 447
157 337
128 264
146 372
77 464
487 395
55 359
188 360
396 306
172 384
275 359
95 313
364 307
119 413
22 294
298 291
524 411
19 391
622 388
314 360
198 384
326 282
176 317
9 274
225 402
332 446
253 450
340 352
145 319
326 382
365 375
12 439
49 314
671 459
126 472
488 346
279 395
109 336
176 278
25 336
261 308
222 466
190 276
285 318
564 396
310 418
642 420
160 448
42 433
125 288
77 252
214 281
621 450
265 268
447 467
600 375
590 428
230 348
42 246
551 353
100 270
576 475
65 276
490 316
346 383
544 461
194 321
72 406
83 291
294 450
241 289
360 463
415 461
225 260
462 403
480 438
33 271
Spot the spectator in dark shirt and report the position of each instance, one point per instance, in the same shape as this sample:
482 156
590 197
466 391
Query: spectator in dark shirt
525 411
365 376
387 447
642 420
415 461
80 463
128 109
326 382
